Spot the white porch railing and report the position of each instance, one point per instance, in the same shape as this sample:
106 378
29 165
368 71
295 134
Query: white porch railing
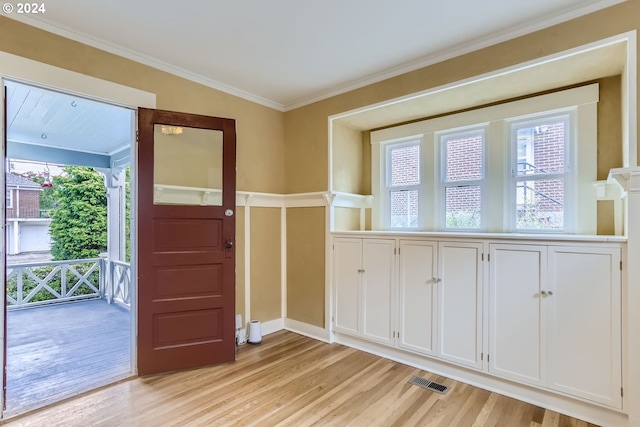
53 281
118 282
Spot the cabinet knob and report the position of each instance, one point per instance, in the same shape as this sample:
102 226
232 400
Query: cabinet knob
550 292
544 293
360 270
436 280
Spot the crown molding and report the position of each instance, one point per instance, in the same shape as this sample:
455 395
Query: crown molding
141 58
458 50
425 61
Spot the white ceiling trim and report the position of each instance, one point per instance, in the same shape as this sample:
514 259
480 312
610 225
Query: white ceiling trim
374 78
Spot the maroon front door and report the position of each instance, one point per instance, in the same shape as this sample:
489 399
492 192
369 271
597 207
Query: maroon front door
186 240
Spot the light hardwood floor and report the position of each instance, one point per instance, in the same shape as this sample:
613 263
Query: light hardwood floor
291 380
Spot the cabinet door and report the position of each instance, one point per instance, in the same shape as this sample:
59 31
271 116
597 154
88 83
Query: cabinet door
460 303
584 323
347 263
417 296
516 323
377 289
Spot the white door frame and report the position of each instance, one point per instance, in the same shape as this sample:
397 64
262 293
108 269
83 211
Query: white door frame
25 70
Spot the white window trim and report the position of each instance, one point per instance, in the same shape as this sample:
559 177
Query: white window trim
498 161
9 198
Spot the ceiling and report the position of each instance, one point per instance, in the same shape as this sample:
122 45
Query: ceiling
45 125
287 53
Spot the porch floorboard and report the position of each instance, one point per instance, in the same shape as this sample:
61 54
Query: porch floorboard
60 350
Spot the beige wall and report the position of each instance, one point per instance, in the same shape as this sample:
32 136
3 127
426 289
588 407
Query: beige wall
305 265
347 166
265 264
306 130
346 219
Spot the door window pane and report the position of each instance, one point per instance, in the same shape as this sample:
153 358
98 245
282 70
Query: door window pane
187 166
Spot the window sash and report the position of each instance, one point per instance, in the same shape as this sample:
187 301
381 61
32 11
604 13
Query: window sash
525 210
389 188
465 220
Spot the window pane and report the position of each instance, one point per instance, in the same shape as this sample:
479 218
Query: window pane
540 148
404 209
462 206
464 157
540 204
405 165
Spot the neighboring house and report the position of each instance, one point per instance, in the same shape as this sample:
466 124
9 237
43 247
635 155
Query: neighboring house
26 230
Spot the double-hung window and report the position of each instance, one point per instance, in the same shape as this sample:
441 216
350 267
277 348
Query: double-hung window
540 166
462 167
526 166
403 184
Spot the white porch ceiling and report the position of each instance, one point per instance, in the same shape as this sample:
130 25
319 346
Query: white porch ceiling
286 53
46 125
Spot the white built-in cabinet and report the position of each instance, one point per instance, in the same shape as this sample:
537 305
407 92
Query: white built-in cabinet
440 310
552 311
364 277
555 318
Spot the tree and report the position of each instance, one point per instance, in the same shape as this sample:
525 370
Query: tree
79 224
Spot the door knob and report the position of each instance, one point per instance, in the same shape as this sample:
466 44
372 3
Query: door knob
229 244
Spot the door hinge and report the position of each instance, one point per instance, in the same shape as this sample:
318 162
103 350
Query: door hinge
393 334
620 265
621 392
481 356
395 251
488 257
333 318
487 358
482 257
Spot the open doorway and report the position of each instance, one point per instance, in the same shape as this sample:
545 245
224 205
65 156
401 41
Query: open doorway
69 319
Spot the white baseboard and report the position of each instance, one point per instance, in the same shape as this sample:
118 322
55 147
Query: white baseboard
271 326
307 330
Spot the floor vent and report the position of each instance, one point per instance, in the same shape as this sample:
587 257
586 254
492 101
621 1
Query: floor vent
430 385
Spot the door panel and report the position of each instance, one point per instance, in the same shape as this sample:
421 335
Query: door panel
377 289
417 296
460 303
584 319
517 320
347 262
186 283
